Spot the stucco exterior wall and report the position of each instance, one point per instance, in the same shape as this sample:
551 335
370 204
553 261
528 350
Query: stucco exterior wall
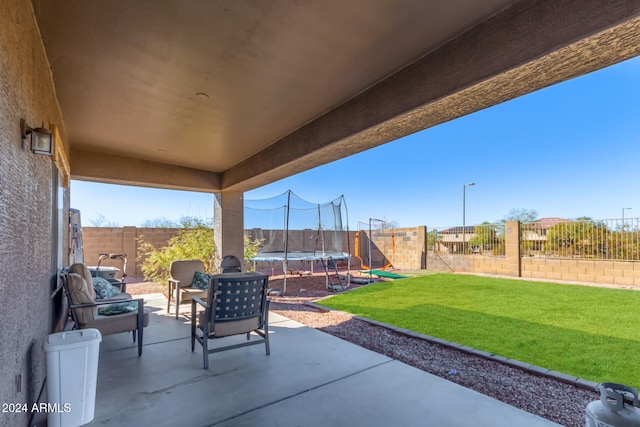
26 180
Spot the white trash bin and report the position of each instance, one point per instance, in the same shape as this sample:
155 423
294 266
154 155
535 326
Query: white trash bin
72 371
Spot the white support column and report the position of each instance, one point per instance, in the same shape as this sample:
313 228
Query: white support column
228 223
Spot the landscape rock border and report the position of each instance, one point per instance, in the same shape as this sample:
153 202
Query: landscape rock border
533 369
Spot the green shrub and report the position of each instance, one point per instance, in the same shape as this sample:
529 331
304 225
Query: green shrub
194 241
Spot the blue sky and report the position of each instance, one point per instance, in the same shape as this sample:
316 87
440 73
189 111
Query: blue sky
568 151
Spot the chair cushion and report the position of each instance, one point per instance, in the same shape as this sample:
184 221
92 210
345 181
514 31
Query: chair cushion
103 288
234 327
122 296
108 325
79 292
200 280
187 293
83 271
118 308
183 270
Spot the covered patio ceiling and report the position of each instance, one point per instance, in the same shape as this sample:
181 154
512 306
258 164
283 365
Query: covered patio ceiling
231 95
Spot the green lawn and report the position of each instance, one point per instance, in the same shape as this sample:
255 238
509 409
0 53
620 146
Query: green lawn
592 333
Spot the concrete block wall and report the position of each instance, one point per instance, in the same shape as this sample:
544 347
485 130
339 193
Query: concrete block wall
158 237
624 273
449 263
492 265
410 254
410 251
453 263
508 265
97 240
512 248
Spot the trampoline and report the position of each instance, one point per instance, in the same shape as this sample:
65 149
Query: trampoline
291 229
300 256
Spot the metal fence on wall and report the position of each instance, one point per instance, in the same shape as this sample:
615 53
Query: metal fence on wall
484 239
608 239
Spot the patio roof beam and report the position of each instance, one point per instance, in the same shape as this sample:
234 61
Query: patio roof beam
528 46
100 167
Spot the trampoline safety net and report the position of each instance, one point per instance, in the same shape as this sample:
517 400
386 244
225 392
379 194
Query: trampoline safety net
293 229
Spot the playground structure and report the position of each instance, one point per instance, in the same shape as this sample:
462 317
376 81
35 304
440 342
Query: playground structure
291 229
367 247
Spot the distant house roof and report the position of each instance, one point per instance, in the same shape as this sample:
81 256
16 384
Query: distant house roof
468 229
546 223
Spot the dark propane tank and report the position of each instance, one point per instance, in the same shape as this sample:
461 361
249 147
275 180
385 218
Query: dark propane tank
617 407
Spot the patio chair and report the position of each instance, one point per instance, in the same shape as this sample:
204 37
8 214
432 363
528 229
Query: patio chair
236 304
181 283
85 312
231 264
109 294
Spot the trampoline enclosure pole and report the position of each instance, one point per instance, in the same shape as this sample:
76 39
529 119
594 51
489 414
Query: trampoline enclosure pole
286 243
320 231
370 258
346 211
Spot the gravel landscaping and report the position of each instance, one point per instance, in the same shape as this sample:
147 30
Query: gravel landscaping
551 399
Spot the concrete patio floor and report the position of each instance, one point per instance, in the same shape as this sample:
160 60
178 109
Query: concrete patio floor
310 379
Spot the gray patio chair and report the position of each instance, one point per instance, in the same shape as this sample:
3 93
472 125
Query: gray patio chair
236 304
182 274
231 264
85 313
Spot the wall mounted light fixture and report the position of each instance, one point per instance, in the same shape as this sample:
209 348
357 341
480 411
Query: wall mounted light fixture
41 139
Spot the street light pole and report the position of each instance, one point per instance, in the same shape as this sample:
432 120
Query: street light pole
624 209
464 214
